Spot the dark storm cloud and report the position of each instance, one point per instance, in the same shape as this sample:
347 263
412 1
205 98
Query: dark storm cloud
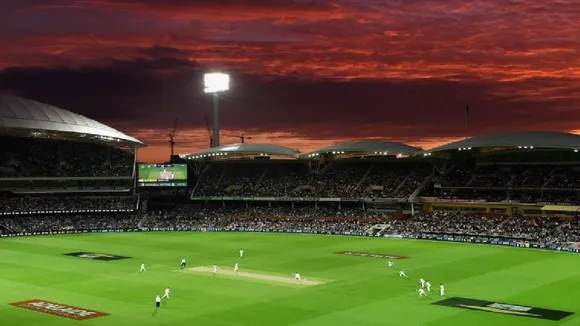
305 73
149 92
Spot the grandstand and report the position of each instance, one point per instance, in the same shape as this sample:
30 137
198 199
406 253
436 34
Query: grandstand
56 161
60 165
518 171
43 143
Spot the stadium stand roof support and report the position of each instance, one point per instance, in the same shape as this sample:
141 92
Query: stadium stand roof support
18 115
367 148
243 149
526 140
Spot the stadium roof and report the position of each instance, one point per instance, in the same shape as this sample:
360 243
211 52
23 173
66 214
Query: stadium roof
19 114
520 139
244 149
368 147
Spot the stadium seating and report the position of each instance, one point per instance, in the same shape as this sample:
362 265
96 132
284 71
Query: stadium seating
23 224
388 179
27 157
45 204
533 229
346 179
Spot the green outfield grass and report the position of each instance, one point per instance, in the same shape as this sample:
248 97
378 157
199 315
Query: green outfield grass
360 290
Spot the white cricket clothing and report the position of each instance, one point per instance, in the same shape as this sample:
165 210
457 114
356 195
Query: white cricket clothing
442 290
390 263
297 277
214 268
422 292
166 295
142 267
241 253
157 299
236 267
402 274
428 286
422 281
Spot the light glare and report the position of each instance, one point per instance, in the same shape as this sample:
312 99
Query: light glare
216 82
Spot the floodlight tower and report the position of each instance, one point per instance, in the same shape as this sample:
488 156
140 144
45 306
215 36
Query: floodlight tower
215 83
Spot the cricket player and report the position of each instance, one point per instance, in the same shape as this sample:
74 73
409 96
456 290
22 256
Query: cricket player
183 263
428 286
402 274
142 268
297 277
157 301
390 263
421 292
241 253
236 267
166 295
441 290
214 269
422 281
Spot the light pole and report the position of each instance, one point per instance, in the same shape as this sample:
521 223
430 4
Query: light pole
215 83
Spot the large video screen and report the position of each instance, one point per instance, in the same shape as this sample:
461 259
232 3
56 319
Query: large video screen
162 175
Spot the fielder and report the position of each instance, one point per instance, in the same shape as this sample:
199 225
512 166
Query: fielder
422 281
402 274
166 295
297 277
142 268
236 267
428 286
441 290
390 263
241 253
214 269
422 292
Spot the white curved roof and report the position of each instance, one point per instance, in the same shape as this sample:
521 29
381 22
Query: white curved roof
244 148
17 113
535 139
369 147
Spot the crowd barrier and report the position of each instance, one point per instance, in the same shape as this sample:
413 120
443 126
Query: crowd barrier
467 239
70 211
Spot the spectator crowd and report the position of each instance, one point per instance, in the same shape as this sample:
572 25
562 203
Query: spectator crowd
346 179
28 204
533 229
31 157
363 179
538 229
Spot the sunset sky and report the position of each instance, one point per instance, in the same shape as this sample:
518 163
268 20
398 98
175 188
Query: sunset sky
305 73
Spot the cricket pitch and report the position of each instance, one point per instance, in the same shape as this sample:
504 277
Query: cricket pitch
257 276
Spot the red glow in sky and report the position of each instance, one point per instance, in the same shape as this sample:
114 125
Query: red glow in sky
305 73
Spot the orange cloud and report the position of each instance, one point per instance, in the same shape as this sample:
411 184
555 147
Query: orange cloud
282 11
515 62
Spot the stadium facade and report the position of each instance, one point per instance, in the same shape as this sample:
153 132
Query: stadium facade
49 149
531 172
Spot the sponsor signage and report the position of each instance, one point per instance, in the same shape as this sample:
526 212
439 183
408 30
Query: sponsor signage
504 308
58 309
95 256
370 254
450 200
74 211
454 238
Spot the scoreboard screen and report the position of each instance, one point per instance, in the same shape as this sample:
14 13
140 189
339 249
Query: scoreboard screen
162 175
